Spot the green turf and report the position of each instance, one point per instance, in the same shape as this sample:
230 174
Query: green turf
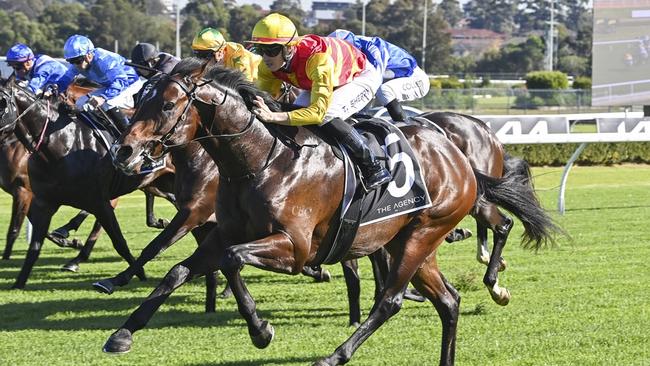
584 302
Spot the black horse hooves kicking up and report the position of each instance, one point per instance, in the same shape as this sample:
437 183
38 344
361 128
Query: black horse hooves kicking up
119 342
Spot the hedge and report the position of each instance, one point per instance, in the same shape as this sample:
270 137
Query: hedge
593 154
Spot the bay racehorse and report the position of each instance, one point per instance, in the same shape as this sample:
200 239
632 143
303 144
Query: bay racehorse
264 178
69 166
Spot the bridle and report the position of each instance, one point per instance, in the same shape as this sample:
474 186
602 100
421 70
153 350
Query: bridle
12 126
191 94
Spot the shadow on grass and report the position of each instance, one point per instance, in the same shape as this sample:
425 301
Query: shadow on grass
602 208
266 361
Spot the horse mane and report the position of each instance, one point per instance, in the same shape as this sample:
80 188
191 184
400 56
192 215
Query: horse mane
229 78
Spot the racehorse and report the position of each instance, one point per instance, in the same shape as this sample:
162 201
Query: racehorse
264 179
69 166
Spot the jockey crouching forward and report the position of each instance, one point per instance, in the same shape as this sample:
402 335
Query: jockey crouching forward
147 55
38 71
118 82
210 43
336 79
403 79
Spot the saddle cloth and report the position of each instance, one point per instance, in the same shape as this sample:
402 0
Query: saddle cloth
406 193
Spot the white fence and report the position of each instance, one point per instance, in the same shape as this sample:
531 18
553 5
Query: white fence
554 129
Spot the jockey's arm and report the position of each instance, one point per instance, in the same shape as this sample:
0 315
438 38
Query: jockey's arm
66 79
118 80
321 73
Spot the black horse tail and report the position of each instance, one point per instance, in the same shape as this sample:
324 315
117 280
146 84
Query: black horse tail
514 192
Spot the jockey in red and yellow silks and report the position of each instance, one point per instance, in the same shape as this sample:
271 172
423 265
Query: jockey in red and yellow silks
336 81
210 43
319 65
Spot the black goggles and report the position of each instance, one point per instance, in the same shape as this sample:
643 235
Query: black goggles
270 50
205 54
16 65
76 60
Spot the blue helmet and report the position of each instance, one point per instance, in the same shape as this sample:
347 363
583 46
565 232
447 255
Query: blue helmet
77 46
19 53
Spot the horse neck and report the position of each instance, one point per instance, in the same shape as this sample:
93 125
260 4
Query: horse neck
242 155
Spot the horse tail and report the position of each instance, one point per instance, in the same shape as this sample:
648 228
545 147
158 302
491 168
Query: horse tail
514 192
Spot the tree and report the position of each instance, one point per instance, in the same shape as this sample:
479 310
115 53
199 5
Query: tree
451 12
60 21
518 58
201 14
242 21
495 15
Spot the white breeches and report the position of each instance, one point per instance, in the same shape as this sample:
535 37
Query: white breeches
404 89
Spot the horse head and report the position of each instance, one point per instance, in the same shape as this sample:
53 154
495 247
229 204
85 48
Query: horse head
168 115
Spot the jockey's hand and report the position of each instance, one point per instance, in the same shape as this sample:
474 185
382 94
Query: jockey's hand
262 111
93 103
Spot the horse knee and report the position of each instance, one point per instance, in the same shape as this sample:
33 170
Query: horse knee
390 306
505 228
232 260
176 276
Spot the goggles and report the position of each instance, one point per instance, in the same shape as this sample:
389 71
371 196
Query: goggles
76 60
270 50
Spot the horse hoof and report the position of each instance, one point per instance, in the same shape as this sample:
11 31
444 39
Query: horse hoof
70 267
119 342
226 293
60 233
104 286
502 298
484 259
413 295
265 337
18 286
502 265
325 276
355 325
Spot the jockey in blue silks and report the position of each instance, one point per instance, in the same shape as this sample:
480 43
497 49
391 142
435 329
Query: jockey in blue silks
118 81
39 71
403 79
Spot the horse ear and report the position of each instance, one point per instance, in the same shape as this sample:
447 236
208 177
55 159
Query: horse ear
204 69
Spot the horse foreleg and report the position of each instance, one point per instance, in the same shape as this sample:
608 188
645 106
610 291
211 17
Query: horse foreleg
40 216
202 261
353 284
86 249
152 221
106 217
200 233
275 253
380 261
59 236
19 207
179 226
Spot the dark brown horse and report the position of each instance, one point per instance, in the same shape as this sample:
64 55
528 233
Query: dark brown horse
69 166
263 181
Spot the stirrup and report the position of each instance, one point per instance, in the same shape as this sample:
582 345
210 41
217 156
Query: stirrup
377 179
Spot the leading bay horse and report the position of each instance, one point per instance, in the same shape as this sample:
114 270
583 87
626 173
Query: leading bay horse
267 185
69 166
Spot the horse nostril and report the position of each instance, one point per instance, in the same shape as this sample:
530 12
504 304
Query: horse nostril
123 153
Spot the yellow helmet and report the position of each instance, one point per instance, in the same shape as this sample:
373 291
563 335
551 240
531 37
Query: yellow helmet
273 29
209 39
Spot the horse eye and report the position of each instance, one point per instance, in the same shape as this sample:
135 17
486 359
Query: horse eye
168 106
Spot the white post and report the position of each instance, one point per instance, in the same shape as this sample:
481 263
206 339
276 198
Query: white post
178 29
424 38
117 46
551 37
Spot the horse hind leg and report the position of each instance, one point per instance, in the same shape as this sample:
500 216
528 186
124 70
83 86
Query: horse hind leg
86 249
446 300
500 224
19 207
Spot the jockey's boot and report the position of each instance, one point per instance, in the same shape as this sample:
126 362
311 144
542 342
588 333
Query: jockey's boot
120 120
395 111
374 174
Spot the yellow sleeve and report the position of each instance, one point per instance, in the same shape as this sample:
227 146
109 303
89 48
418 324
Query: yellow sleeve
320 70
268 82
239 58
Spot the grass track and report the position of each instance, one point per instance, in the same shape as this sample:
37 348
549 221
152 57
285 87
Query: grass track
584 302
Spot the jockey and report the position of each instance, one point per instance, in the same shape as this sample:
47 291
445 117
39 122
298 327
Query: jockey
336 79
403 79
119 82
39 71
210 43
147 55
